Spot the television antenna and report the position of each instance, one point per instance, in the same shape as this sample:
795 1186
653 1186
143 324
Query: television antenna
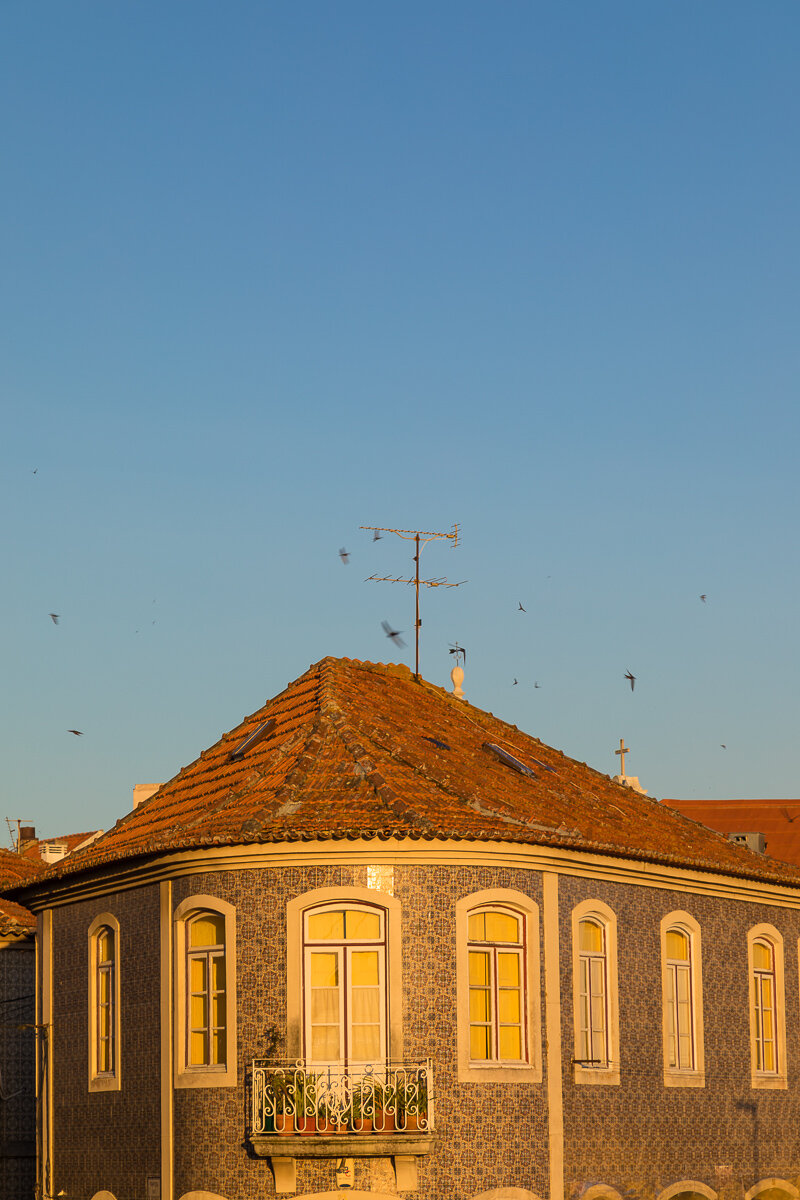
420 538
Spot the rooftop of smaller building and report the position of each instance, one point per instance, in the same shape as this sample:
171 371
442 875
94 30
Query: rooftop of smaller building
777 820
16 871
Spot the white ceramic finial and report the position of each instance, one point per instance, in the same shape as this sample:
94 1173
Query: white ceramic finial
457 676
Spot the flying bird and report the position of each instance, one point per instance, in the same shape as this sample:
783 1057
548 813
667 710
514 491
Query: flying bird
34 471
537 685
630 678
724 747
344 555
516 681
376 537
521 609
54 617
77 732
703 597
394 634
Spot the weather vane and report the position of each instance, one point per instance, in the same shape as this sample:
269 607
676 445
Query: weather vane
420 539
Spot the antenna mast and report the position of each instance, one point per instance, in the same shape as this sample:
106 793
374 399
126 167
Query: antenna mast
420 538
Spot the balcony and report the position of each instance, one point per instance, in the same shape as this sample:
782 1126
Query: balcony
305 1111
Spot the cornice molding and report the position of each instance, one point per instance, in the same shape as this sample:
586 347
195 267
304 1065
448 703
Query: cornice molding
125 874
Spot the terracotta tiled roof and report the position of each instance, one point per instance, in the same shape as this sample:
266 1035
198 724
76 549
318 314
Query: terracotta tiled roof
778 820
16 871
363 750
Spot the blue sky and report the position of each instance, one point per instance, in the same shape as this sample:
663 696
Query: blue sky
275 271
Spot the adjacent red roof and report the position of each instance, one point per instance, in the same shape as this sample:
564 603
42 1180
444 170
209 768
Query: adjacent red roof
358 750
16 871
778 820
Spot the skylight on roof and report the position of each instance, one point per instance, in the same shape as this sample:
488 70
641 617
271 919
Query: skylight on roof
436 742
509 759
252 740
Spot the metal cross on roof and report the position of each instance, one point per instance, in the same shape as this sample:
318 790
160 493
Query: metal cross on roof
416 535
623 750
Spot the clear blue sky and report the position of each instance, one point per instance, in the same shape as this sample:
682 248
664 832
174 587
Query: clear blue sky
274 271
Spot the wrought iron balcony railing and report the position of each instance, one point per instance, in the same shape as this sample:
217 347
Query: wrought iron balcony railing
301 1099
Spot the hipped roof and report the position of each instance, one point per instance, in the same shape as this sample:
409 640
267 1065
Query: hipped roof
363 750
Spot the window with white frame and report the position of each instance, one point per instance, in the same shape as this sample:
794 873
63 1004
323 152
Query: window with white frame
344 983
205 992
496 948
498 986
104 1015
679 1001
764 1000
682 994
595 993
767 1008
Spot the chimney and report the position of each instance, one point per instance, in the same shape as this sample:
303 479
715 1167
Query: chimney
27 834
143 791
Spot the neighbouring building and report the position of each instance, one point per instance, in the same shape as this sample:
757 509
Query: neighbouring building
767 825
377 939
17 1034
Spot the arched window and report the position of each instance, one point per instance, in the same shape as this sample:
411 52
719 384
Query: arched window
682 992
679 1001
205 993
767 1015
496 947
764 1006
595 993
344 985
104 1015
206 987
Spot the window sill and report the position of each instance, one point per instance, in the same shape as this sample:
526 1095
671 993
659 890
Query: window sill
597 1075
769 1082
689 1079
221 1077
499 1073
104 1083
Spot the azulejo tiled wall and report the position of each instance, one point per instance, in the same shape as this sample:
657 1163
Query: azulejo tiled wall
17 1083
488 1135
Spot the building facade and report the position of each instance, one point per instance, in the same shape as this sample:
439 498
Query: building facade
377 940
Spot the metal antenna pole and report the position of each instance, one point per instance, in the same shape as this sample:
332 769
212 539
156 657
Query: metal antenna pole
415 534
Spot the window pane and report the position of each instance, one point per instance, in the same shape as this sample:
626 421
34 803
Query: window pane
508 970
501 927
197 974
326 926
362 924
199 1012
324 970
366 1042
218 973
325 1006
477 927
479 1009
478 967
325 1043
762 956
105 946
364 967
105 986
479 1042
590 936
366 1004
218 1048
510 1043
509 1006
218 1012
207 930
677 945
198 1053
